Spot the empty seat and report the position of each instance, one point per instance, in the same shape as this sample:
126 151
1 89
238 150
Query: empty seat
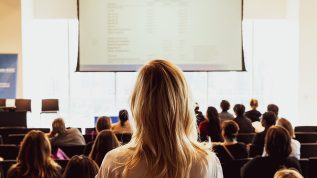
9 152
50 106
312 171
306 137
23 105
245 137
306 129
15 139
304 164
124 137
308 150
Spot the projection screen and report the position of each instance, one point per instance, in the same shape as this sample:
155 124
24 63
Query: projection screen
197 35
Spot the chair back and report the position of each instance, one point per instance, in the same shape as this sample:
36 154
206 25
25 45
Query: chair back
305 129
15 139
9 151
306 137
50 105
308 150
23 105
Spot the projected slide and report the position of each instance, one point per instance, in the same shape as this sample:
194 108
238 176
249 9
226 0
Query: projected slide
197 35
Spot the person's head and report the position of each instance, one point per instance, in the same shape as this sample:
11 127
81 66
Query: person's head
103 123
123 116
268 119
164 121
287 173
273 108
225 105
196 108
254 103
105 141
230 130
80 167
213 117
34 157
286 125
239 109
58 126
278 142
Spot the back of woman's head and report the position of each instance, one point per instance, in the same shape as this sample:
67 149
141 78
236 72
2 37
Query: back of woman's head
225 105
230 129
286 125
35 156
123 116
278 142
80 167
213 117
103 123
239 109
105 141
287 173
165 133
254 103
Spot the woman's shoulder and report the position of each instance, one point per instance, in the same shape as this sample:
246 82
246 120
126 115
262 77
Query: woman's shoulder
210 168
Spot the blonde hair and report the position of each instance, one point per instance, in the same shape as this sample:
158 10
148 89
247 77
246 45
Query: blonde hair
286 125
287 173
165 132
254 103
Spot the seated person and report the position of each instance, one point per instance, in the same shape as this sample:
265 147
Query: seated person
230 149
244 123
210 127
199 115
225 115
253 114
268 119
103 123
123 126
60 136
278 148
80 167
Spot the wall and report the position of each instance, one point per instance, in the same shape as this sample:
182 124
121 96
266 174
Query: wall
10 34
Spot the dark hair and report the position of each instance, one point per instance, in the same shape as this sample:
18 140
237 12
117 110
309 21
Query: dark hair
278 142
34 158
269 118
80 167
254 103
105 141
230 129
103 123
213 117
123 116
273 108
225 105
239 109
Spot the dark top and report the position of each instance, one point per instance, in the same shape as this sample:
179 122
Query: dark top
206 129
265 167
51 172
253 115
237 150
258 142
72 136
200 118
245 125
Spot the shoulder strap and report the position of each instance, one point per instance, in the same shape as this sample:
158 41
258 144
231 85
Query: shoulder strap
229 153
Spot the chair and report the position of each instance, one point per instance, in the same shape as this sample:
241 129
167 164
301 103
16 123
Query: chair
71 150
232 169
90 131
9 151
308 150
23 105
245 137
5 166
124 137
2 102
312 171
50 106
306 137
15 139
304 164
306 129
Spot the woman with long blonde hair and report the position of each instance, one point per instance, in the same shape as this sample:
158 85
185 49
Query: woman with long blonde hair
164 142
34 159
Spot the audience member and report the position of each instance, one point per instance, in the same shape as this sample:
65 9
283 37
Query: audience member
230 149
287 173
278 148
295 145
103 123
199 115
60 136
105 141
164 143
273 108
34 159
253 114
210 127
224 114
268 119
123 126
244 123
80 167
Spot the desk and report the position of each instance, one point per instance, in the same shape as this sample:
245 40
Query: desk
13 119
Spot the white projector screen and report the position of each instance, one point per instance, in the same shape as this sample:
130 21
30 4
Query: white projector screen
197 35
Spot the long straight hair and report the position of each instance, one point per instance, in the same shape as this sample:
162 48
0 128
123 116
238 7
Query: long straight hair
165 135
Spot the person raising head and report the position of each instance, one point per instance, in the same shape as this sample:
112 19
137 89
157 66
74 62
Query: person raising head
164 142
123 126
34 158
80 167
